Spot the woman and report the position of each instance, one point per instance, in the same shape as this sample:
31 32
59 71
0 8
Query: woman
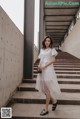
46 81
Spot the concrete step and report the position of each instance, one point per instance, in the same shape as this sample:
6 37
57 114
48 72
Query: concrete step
36 97
68 74
66 69
62 66
64 79
62 72
66 86
64 76
60 81
64 63
32 111
73 88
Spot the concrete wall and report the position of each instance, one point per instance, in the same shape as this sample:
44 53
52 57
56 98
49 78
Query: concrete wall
11 57
72 42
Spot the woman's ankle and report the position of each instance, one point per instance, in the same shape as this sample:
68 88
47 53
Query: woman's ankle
46 109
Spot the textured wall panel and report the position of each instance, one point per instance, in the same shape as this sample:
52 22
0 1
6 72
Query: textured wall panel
72 42
11 57
1 74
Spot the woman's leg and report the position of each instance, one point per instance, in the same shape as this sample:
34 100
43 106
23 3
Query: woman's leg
47 100
53 99
48 96
54 103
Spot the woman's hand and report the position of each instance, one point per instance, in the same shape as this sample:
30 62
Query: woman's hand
42 66
39 66
39 69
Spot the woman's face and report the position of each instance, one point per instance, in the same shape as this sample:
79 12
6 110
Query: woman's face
47 42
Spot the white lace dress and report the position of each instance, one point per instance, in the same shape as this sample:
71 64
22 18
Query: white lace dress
47 80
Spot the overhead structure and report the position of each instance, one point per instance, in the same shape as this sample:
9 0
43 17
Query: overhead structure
58 18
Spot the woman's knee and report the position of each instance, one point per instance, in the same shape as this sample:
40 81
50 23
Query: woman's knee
48 94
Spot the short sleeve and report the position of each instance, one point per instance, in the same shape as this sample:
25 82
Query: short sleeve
39 56
54 52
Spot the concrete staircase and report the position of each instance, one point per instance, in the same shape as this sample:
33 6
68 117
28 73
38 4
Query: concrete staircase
27 103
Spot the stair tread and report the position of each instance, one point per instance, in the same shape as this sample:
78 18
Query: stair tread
37 95
67 79
64 67
33 110
62 86
63 71
67 67
61 79
64 74
58 79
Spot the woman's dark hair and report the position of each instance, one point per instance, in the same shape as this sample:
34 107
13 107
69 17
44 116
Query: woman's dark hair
51 42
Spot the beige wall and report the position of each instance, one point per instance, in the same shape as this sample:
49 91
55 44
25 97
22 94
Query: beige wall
72 42
11 57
